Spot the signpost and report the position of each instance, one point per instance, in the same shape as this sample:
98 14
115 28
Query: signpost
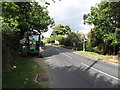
84 44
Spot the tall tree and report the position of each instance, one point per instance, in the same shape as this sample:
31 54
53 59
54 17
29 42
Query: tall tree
105 18
61 29
19 17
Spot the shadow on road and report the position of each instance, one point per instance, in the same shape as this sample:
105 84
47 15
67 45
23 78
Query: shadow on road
76 77
79 77
91 65
52 50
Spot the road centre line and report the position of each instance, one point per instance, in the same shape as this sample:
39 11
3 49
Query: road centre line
101 72
58 50
67 55
64 54
92 67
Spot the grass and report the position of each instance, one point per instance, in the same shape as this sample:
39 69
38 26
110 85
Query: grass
106 58
21 74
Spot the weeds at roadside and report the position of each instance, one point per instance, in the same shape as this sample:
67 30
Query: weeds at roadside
21 74
106 58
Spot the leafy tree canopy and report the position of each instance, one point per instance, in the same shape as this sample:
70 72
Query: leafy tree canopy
61 29
26 16
106 20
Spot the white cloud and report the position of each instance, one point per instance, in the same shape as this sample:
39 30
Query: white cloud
86 28
70 12
48 33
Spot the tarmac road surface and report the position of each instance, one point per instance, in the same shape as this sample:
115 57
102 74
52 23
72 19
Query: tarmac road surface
70 70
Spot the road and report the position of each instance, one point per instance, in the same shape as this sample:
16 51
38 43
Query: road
67 69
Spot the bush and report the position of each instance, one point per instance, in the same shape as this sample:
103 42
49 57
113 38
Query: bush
89 47
60 39
97 49
72 38
51 40
67 42
10 42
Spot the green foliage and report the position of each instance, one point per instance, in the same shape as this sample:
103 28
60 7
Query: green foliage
105 18
89 47
60 39
51 39
19 17
117 35
9 41
60 30
39 18
26 16
71 38
109 38
21 73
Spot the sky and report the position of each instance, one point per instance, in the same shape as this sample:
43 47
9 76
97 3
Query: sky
70 12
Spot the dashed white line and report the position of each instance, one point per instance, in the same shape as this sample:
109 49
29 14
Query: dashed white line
64 54
101 71
57 50
67 55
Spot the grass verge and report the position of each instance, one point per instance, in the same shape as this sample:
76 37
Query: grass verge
106 58
21 74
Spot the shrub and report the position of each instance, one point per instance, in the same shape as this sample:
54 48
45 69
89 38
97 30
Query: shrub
61 39
51 40
89 47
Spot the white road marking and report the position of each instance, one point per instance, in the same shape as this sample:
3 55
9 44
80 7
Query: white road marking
67 55
101 71
64 54
92 67
95 59
58 50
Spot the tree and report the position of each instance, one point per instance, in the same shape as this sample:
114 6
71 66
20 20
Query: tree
39 18
71 38
60 30
26 15
20 17
105 18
